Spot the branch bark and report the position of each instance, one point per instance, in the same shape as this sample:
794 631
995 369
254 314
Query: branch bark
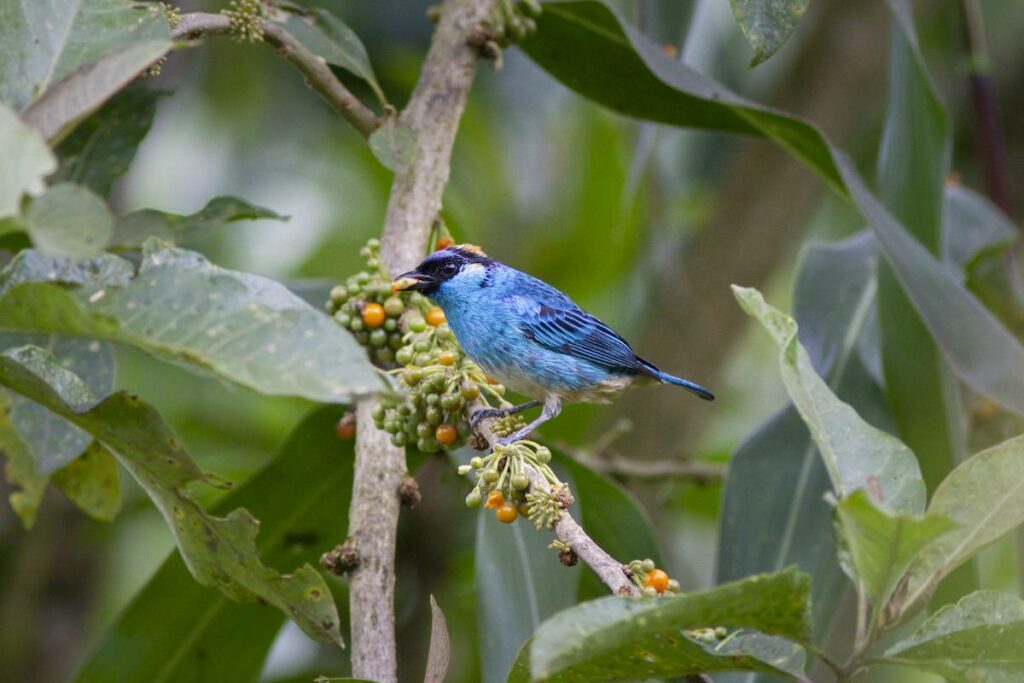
316 71
433 113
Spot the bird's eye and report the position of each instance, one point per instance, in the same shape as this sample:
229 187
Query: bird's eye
450 269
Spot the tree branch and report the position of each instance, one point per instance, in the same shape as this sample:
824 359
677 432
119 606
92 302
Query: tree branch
433 113
318 74
610 462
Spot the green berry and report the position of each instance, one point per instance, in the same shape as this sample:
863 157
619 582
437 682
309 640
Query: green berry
490 475
362 277
649 592
384 355
470 391
395 340
399 439
378 338
520 482
390 325
417 324
476 462
424 430
428 445
404 355
422 345
721 631
412 376
544 456
474 499
422 360
354 289
647 565
444 333
393 307
339 294
434 416
362 337
378 412
433 399
373 243
343 319
357 325
451 401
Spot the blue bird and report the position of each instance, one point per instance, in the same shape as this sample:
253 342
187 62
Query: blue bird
530 336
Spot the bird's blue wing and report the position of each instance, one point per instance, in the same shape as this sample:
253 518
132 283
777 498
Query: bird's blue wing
551 319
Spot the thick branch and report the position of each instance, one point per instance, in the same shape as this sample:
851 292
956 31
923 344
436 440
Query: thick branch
433 113
318 74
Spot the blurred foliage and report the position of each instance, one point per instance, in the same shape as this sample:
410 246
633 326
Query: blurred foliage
605 207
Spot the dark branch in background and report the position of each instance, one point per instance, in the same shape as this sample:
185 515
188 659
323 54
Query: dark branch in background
316 71
610 462
988 130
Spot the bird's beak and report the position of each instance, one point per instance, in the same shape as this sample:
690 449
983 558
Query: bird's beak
413 281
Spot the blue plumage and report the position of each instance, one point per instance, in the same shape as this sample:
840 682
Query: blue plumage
529 335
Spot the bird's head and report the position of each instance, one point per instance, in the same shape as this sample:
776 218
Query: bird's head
454 267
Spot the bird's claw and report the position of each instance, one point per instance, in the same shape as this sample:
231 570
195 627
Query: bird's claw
483 414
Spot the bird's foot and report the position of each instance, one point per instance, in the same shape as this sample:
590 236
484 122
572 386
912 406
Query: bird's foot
484 414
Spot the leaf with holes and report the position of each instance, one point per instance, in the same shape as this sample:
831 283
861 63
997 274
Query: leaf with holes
239 326
219 551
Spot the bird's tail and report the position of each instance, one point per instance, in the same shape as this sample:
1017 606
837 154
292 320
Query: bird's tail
666 378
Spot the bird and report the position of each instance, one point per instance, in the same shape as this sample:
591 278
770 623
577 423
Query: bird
530 336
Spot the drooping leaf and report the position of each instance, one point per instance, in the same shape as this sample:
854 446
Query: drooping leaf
394 144
239 326
329 37
519 584
881 545
219 551
176 630
587 47
27 160
52 441
69 220
972 225
617 638
984 497
773 510
767 24
612 518
855 454
133 230
91 481
440 646
976 640
100 150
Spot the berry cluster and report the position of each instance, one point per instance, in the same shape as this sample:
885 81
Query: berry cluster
502 480
365 306
514 20
651 580
246 20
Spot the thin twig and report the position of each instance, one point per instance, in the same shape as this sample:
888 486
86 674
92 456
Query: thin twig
318 74
610 462
612 573
433 113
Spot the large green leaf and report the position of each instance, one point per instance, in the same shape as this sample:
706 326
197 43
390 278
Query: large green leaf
176 630
329 37
133 230
586 46
100 150
238 326
855 454
984 496
92 482
69 220
767 24
617 638
976 640
612 518
20 469
773 510
219 551
51 440
882 545
519 584
27 160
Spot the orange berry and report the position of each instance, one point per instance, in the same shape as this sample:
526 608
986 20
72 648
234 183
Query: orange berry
435 316
656 579
507 512
494 499
373 315
346 427
443 243
447 358
446 433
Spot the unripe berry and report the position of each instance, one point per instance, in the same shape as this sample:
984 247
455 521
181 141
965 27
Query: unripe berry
404 355
520 481
393 307
417 324
474 498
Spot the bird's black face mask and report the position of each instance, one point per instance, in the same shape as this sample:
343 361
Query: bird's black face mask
437 268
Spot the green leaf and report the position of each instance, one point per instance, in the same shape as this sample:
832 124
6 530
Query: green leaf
882 545
329 37
394 144
100 150
976 640
239 326
984 497
20 469
855 454
219 551
92 482
972 226
618 638
773 510
27 160
519 584
176 630
612 518
133 230
69 220
767 24
583 44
